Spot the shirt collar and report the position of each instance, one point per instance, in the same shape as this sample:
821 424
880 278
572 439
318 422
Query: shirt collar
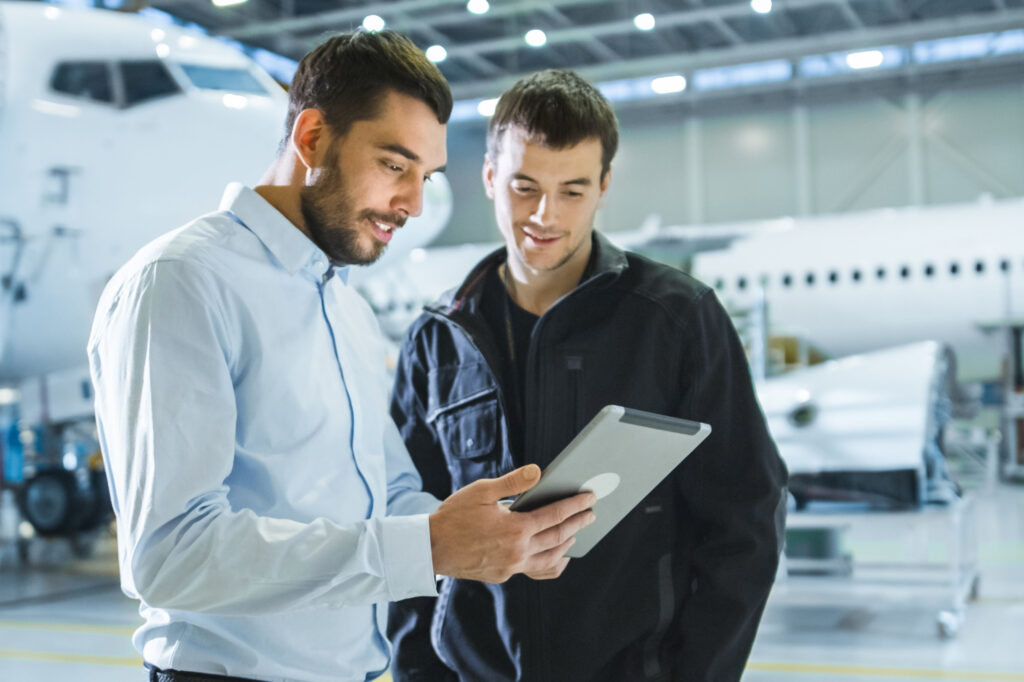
292 249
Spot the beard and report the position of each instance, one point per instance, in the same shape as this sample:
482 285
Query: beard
333 223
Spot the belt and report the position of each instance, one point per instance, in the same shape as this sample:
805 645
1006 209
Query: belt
158 675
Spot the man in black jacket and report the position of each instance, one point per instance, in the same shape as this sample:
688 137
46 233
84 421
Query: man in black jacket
508 367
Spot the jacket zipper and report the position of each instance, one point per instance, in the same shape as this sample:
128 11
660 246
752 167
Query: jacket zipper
574 363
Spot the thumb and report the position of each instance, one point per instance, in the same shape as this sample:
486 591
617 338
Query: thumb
514 482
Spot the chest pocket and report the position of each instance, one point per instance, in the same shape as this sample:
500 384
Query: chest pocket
468 433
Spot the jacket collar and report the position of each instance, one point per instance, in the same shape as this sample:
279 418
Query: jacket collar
607 262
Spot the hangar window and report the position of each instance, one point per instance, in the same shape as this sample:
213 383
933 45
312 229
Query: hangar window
979 267
787 280
880 273
929 270
833 277
220 78
855 275
905 272
146 80
954 268
89 80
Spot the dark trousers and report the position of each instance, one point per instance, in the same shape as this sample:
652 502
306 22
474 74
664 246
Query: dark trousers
158 675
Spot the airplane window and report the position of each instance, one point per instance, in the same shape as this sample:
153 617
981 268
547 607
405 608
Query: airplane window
855 275
90 80
833 277
905 272
929 270
810 278
741 283
146 80
1004 265
979 266
787 280
954 268
880 273
220 78
719 283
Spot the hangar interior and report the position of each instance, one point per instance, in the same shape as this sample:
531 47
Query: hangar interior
847 174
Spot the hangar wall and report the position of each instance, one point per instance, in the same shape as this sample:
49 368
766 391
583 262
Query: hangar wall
693 163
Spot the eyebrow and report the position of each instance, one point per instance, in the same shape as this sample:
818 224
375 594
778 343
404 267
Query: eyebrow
575 181
409 154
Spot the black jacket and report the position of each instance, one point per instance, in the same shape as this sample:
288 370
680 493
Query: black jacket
676 590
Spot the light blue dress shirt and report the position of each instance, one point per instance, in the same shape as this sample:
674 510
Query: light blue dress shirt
266 505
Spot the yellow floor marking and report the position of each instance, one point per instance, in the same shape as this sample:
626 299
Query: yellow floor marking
871 671
68 627
131 662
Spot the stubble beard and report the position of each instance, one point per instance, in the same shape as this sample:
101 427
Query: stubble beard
332 222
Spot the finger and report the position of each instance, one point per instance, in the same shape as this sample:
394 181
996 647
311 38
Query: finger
556 535
551 515
512 483
552 561
552 573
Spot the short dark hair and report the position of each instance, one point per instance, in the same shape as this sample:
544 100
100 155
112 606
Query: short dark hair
559 107
347 77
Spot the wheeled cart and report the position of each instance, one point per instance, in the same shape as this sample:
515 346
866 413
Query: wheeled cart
925 556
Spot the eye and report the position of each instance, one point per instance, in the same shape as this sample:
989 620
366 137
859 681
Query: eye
523 189
573 195
394 168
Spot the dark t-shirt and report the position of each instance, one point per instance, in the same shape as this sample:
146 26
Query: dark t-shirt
502 314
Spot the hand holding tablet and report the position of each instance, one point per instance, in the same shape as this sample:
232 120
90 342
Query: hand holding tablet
620 456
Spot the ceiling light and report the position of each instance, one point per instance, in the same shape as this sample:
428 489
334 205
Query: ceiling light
373 23
158 35
535 38
487 107
761 6
644 22
478 6
868 59
51 12
664 85
227 3
162 50
436 53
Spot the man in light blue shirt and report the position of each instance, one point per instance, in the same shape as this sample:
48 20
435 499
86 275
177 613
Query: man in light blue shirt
266 505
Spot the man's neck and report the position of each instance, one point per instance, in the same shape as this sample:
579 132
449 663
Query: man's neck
281 185
537 290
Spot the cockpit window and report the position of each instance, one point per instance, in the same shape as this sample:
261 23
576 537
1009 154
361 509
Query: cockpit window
220 78
90 80
145 80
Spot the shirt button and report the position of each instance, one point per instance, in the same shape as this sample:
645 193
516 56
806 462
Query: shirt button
469 442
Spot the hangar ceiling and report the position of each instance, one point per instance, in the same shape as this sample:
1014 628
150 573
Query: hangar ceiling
699 39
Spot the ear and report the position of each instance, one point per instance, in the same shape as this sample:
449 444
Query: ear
605 181
310 138
488 177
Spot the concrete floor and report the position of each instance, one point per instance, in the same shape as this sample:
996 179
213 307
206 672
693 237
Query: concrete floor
67 619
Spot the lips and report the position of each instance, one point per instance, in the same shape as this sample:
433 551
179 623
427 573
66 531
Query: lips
540 239
381 230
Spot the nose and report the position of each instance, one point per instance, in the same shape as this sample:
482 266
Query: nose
544 213
409 199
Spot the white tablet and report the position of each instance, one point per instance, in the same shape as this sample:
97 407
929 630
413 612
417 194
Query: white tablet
620 456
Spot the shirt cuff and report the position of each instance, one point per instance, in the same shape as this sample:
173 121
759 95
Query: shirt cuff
408 561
